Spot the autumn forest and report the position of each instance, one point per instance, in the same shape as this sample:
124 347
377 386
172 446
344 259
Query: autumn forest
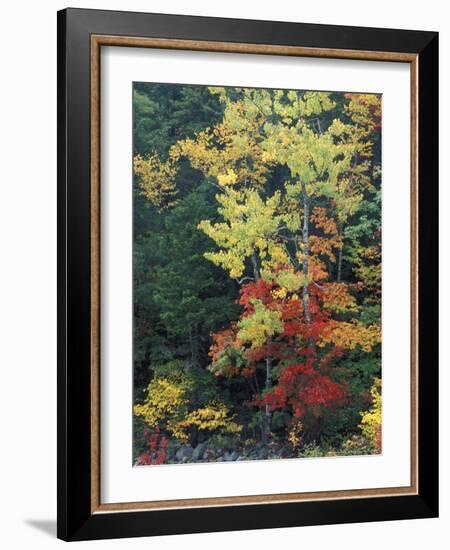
257 274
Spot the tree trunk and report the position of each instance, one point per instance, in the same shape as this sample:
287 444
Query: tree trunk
305 293
255 266
268 414
339 266
305 237
193 344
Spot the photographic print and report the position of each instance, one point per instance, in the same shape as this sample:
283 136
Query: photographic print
257 274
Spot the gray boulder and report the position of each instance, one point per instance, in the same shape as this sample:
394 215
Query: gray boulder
199 451
263 453
184 452
231 457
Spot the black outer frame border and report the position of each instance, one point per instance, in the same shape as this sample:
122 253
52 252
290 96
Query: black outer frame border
75 521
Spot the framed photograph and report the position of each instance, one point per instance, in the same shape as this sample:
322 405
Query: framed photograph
247 274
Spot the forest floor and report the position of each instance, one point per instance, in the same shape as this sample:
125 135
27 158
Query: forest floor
208 451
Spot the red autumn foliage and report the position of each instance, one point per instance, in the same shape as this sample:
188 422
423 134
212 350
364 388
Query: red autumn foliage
292 315
260 290
157 452
301 386
305 381
272 349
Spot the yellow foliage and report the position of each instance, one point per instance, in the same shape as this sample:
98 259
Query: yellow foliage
229 260
290 280
157 180
350 335
258 327
295 433
259 129
279 293
213 416
317 159
365 111
250 227
292 105
337 297
229 146
165 403
372 419
227 179
166 406
272 254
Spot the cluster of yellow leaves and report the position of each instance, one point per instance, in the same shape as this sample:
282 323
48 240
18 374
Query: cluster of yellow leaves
230 178
272 255
166 406
364 109
260 326
293 105
166 401
287 280
212 417
350 335
365 112
157 179
295 433
317 160
251 222
230 146
371 419
279 293
348 197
